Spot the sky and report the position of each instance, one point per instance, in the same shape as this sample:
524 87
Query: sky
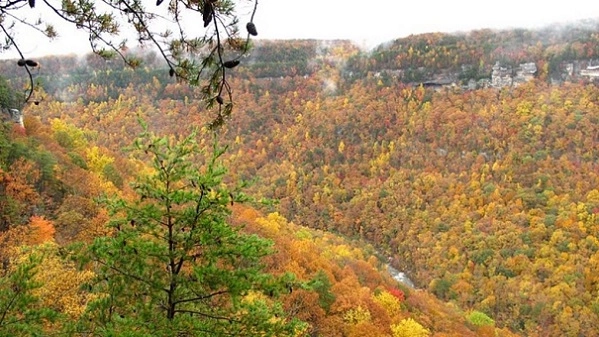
366 22
370 22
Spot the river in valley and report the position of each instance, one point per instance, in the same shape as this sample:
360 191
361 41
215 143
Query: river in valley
400 276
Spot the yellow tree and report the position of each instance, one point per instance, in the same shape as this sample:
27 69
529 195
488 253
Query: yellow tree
409 328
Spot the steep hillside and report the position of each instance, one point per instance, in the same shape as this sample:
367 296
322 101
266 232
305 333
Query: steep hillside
49 178
472 55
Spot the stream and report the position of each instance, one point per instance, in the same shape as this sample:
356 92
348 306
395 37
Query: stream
400 276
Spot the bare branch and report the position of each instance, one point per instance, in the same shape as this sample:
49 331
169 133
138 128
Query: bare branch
135 277
200 298
29 24
31 85
92 31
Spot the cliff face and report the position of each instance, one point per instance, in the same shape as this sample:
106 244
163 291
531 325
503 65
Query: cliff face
13 115
570 70
501 75
505 76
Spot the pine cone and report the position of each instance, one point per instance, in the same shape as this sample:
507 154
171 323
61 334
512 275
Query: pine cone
251 28
207 13
231 64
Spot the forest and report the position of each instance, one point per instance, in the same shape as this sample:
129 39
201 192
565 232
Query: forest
122 213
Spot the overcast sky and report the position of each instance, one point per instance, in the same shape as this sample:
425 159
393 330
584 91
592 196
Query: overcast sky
376 21
369 22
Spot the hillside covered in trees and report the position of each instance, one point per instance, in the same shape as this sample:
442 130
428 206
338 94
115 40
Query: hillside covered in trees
487 196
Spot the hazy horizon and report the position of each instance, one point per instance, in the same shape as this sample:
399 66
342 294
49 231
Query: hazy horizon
367 26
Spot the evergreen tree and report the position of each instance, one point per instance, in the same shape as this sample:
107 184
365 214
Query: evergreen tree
21 312
173 266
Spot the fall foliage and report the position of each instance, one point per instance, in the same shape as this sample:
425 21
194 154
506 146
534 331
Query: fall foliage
487 198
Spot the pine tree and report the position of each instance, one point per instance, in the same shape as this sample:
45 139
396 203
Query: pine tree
21 311
173 266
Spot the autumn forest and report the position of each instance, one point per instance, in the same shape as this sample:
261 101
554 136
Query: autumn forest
123 214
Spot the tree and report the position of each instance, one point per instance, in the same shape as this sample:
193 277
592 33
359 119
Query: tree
409 327
174 264
21 311
478 319
201 59
9 99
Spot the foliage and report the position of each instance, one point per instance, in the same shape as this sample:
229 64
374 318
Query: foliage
319 296
357 315
42 230
322 285
173 263
409 328
478 319
9 99
21 310
59 282
487 198
389 302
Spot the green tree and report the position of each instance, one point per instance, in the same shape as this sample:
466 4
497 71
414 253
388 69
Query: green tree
21 312
9 99
478 319
5 144
173 264
322 285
